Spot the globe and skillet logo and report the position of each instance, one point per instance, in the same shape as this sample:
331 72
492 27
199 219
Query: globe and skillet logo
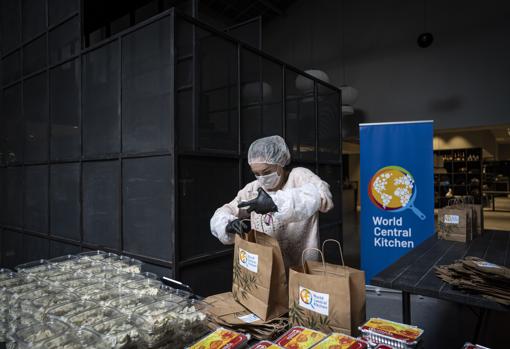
393 188
242 256
306 296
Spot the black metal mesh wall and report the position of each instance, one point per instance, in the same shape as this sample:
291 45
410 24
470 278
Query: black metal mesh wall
130 145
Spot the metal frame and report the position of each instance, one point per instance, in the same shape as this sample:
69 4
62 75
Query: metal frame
175 154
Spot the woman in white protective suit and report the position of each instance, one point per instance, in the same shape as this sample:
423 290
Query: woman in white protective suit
281 203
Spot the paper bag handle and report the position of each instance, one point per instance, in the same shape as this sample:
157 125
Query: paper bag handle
312 249
339 249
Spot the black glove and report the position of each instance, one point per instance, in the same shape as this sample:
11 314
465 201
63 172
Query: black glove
238 226
262 204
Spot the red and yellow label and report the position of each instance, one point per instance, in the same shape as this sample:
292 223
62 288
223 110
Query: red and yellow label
341 341
221 339
393 329
265 345
300 338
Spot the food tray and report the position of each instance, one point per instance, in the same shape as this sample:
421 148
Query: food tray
91 316
119 333
33 336
221 338
78 339
380 331
300 338
67 310
155 321
265 345
173 295
341 341
67 262
145 287
33 267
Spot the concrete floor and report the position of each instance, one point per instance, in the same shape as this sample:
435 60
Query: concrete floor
446 324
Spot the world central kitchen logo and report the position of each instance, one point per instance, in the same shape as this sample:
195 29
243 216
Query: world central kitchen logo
306 296
394 189
242 256
314 301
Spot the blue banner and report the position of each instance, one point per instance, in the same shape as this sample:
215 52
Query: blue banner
397 191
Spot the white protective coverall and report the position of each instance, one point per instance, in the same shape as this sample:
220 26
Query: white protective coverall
296 223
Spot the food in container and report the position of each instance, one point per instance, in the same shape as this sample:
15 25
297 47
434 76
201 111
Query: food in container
97 255
222 339
300 338
20 321
341 341
155 321
67 310
265 345
146 287
125 264
380 331
33 336
4 273
122 278
33 267
190 322
78 339
90 292
67 262
128 303
171 294
93 315
119 333
42 304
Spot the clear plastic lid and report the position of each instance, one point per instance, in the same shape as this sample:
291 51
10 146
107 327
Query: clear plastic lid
86 292
97 255
171 294
124 278
155 318
125 263
33 267
67 262
119 333
10 279
127 304
26 285
33 336
20 321
67 310
4 273
92 316
103 298
42 304
23 301
190 322
78 339
145 287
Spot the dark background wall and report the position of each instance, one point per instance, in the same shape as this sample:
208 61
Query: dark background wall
461 80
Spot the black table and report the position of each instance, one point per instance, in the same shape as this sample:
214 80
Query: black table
414 272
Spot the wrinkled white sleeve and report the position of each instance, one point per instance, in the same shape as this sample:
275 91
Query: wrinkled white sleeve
300 203
226 214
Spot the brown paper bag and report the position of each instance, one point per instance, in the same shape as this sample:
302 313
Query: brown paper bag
454 224
327 297
259 281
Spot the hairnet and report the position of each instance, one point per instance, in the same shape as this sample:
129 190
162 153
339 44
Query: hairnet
269 150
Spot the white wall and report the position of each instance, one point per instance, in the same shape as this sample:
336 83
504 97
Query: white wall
462 80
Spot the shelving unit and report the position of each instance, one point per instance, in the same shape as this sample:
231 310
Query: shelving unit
462 173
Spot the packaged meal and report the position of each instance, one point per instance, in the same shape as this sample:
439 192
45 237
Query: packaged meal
119 333
300 338
265 345
221 339
380 331
341 341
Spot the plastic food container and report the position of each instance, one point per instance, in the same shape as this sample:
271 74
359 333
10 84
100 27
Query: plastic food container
4 273
125 278
67 310
33 267
156 321
190 322
341 341
380 331
97 255
93 315
35 335
300 338
42 304
146 287
265 345
67 262
78 339
128 303
383 346
21 321
119 333
23 301
222 339
91 291
125 264
171 294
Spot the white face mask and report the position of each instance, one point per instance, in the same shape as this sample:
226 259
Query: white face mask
269 181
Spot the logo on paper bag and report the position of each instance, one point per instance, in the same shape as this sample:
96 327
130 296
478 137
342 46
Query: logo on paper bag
451 219
314 301
393 188
248 260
